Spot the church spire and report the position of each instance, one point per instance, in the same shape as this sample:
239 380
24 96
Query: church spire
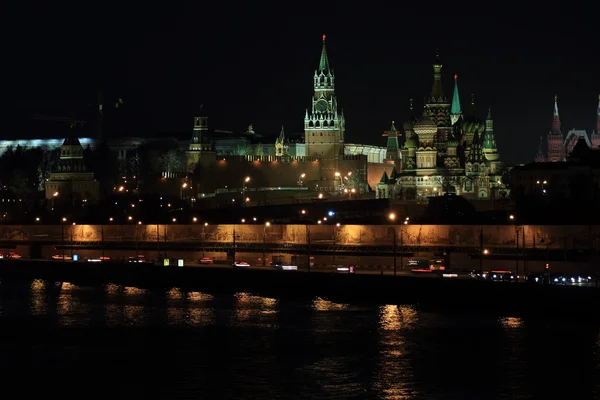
324 61
489 139
455 110
556 118
393 148
437 91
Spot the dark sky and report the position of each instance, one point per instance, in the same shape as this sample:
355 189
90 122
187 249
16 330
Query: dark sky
254 63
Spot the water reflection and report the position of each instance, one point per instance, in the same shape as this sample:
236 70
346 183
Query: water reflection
320 304
394 372
511 322
255 311
393 318
255 347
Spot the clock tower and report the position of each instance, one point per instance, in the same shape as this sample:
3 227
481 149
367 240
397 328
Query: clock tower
323 125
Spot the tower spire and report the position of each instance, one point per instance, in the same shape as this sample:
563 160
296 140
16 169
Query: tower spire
556 148
556 117
455 110
393 148
324 61
437 91
489 139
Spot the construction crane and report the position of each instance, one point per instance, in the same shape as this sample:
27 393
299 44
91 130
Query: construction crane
70 120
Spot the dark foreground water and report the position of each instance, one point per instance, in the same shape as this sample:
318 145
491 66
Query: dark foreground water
66 341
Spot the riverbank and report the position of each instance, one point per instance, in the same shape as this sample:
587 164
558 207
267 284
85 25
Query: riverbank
427 292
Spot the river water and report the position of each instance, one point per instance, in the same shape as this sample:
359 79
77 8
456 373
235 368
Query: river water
109 341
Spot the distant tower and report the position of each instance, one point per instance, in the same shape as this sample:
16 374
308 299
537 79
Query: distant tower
455 111
556 150
393 148
200 142
539 157
280 144
489 139
596 135
438 106
323 125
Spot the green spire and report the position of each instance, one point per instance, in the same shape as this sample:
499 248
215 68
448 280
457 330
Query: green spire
489 140
324 62
393 148
384 178
455 110
394 174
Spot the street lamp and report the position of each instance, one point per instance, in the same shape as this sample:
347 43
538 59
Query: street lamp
204 239
54 195
392 217
244 183
513 219
300 183
62 232
267 224
183 186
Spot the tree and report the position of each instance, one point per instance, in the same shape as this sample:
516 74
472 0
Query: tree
258 150
46 164
171 162
243 149
358 180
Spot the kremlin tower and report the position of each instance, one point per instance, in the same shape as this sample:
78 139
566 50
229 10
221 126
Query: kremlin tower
556 149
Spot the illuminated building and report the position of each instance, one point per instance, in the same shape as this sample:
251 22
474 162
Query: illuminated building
560 146
445 151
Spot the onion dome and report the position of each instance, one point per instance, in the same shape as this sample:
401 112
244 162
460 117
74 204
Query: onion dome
473 125
425 126
411 143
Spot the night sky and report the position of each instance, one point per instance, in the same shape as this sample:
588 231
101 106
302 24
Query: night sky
254 64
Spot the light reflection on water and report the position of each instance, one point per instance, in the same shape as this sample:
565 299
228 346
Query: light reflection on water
253 347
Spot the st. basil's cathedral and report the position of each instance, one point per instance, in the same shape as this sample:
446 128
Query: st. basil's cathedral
446 151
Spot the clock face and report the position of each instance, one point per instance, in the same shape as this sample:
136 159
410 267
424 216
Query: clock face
321 105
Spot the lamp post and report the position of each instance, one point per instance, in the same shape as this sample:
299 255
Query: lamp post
335 240
402 242
392 217
72 229
267 224
233 243
338 175
481 251
183 186
204 239
62 232
300 183
244 183
54 195
512 219
308 244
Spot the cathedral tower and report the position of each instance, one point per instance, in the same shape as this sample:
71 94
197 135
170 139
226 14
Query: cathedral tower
489 140
438 107
393 148
596 135
455 111
280 144
556 150
323 125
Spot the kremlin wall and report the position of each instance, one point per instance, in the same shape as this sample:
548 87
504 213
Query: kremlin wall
494 236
